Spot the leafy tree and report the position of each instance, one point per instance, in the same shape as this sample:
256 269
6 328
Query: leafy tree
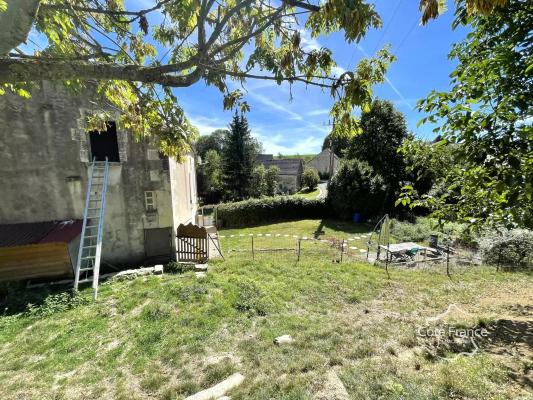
258 185
356 188
212 141
213 173
136 56
427 162
488 115
238 156
310 178
339 144
383 131
264 181
271 178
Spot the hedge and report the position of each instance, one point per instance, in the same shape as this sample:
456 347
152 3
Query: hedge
265 210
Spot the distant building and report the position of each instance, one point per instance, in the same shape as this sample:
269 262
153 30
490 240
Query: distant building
326 163
290 171
46 162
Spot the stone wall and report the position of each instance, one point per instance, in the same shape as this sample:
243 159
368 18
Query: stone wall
44 171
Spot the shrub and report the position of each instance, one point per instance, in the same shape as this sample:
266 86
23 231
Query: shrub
251 300
310 179
512 247
356 188
422 228
174 267
257 211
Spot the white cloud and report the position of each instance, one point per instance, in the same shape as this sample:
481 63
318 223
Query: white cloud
275 145
338 71
270 103
317 112
307 42
207 125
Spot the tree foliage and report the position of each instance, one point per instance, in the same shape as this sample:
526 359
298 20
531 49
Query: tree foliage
310 179
264 181
137 55
213 141
356 188
338 143
209 174
238 157
488 115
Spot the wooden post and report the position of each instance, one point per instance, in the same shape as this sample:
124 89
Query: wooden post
253 253
299 248
342 249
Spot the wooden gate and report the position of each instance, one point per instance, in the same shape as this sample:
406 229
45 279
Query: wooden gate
193 243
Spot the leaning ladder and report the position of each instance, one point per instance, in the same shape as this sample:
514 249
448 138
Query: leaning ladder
90 252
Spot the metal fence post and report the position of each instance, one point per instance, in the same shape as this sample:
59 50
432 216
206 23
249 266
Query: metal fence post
342 249
253 252
299 248
448 260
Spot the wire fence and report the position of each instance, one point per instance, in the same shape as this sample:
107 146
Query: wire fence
291 247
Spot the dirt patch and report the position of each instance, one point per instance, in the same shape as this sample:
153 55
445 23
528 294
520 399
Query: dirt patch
332 389
138 310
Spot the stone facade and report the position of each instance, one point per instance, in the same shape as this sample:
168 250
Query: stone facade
44 171
322 163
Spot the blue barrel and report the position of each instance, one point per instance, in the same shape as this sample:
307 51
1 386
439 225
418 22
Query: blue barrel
356 217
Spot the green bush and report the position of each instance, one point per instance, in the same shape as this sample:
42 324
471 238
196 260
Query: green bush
423 227
310 178
257 211
356 188
174 267
512 247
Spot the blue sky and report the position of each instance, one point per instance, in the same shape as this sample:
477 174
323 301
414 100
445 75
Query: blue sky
300 125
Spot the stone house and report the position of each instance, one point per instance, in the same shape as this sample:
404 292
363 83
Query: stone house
45 164
290 171
326 163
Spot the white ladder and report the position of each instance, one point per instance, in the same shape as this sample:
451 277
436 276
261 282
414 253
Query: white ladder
90 251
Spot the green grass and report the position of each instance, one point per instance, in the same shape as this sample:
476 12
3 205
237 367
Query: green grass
313 194
169 337
305 157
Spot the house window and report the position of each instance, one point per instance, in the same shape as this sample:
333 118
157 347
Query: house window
149 201
104 144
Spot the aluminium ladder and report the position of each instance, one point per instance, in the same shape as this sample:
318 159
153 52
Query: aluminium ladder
90 251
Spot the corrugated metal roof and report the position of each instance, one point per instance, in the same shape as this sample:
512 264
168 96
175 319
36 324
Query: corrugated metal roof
39 232
64 231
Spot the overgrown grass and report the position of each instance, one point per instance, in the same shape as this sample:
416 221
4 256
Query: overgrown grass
169 337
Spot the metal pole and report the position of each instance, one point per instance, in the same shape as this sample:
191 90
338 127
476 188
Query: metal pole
342 249
253 253
299 248
448 259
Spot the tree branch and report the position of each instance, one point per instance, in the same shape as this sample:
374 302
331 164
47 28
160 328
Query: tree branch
140 13
302 4
22 70
16 23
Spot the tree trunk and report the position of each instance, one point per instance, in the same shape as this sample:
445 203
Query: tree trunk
16 23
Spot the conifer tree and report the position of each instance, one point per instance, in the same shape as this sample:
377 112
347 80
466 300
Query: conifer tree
238 157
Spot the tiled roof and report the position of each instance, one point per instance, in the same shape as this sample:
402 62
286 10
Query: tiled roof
287 166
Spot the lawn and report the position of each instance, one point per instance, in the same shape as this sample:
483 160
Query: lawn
171 336
313 194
